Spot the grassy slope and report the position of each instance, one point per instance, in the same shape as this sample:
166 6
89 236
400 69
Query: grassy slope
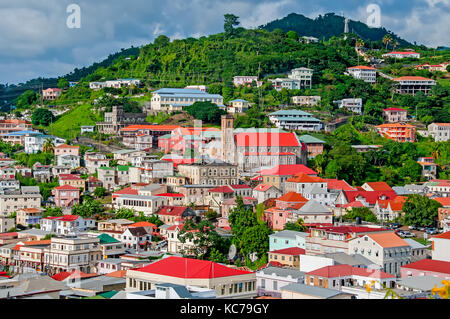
81 115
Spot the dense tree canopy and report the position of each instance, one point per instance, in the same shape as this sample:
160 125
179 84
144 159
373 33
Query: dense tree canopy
42 117
420 210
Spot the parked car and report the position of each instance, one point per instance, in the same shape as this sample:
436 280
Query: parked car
409 234
431 231
412 227
396 225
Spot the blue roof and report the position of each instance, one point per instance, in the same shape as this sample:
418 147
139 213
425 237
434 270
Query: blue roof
19 133
289 112
186 93
239 100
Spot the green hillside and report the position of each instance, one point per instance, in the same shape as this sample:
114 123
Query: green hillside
74 119
327 26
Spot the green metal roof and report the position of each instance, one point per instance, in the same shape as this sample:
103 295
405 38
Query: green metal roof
123 168
106 168
310 139
106 239
108 294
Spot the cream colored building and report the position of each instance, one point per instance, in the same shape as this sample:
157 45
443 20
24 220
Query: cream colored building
209 174
6 224
227 282
13 203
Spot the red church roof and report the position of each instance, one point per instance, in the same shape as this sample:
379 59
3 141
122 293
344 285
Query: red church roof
293 251
266 139
337 271
430 265
288 170
191 268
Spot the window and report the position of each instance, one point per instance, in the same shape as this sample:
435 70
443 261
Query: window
263 283
275 285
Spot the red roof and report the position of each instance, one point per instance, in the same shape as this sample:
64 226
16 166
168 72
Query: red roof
370 196
67 187
172 210
292 197
347 270
125 191
150 127
430 265
69 177
8 234
73 274
352 229
379 186
142 224
293 251
363 67
266 139
445 235
395 109
191 268
221 189
170 195
412 78
64 218
240 186
444 201
288 170
354 204
339 184
263 187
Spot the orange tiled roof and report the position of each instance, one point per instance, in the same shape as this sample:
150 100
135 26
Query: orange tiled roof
444 201
117 274
292 197
445 235
305 178
386 240
66 146
379 186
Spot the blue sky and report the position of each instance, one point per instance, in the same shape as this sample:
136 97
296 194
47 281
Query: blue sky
35 40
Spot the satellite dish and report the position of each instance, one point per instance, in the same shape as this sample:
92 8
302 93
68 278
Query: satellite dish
232 252
253 257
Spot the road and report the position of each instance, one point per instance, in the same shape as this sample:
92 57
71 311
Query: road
99 146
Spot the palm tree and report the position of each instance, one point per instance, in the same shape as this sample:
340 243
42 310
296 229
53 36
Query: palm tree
48 147
396 44
387 39
359 43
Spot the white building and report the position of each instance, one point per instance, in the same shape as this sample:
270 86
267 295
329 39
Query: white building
149 205
439 131
68 225
352 105
168 99
387 250
238 106
87 128
306 100
246 80
441 247
295 120
402 54
35 143
362 72
298 78
69 160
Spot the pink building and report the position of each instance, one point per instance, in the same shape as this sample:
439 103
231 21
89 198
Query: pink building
66 196
65 149
426 267
51 94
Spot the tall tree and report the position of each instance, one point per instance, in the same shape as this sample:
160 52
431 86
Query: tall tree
230 21
420 210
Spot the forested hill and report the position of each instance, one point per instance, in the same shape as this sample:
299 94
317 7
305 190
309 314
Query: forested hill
328 26
10 92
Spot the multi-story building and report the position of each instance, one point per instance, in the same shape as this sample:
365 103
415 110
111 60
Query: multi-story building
67 225
399 132
69 254
433 67
114 84
72 161
168 99
34 143
413 84
362 72
238 106
278 175
394 115
209 174
149 205
306 100
66 196
387 250
107 175
353 105
440 247
402 54
131 133
227 282
65 149
295 120
336 238
439 131
118 119
51 93
14 201
270 280
14 125
197 194
246 80
314 146
93 161
28 216
6 224
73 180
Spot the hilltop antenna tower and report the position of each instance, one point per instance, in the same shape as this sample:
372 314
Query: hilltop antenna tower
345 28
